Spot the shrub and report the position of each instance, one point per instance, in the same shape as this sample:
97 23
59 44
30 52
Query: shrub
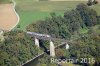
99 27
95 2
89 3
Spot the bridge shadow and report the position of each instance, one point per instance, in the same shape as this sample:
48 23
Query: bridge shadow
41 43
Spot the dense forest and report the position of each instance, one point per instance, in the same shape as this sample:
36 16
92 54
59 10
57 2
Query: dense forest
16 48
87 46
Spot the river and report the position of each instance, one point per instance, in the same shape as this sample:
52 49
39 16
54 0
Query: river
34 62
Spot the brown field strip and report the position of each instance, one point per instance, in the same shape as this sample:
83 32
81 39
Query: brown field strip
8 17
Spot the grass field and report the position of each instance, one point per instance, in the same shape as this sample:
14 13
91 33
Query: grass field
5 1
31 10
28 17
97 8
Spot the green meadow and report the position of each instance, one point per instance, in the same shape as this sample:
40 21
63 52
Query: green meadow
97 8
30 10
5 1
27 17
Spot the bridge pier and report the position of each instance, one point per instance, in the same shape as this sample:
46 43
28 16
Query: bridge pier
52 49
37 42
67 46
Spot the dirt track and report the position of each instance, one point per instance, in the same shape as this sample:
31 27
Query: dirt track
8 17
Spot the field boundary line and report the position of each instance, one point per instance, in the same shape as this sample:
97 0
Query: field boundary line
18 18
